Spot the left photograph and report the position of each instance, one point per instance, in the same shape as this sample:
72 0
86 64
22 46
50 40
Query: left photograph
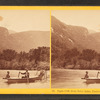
24 49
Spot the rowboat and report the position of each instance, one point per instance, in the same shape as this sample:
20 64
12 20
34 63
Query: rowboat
92 80
22 80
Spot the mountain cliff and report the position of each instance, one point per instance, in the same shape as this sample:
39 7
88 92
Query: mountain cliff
68 36
23 41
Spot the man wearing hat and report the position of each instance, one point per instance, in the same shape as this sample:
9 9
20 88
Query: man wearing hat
26 74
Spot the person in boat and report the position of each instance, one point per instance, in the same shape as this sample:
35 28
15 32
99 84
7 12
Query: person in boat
42 72
26 74
8 75
86 75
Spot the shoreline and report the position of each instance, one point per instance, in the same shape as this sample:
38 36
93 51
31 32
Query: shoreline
73 69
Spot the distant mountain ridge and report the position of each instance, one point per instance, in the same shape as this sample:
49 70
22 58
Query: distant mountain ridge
67 37
23 41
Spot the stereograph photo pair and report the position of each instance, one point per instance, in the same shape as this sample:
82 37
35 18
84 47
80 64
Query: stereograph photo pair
50 49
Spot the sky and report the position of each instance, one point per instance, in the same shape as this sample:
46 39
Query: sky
25 20
86 18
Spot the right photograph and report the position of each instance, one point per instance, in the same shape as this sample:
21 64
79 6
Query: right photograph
75 49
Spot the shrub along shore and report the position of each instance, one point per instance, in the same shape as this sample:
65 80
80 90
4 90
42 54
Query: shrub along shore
75 59
34 59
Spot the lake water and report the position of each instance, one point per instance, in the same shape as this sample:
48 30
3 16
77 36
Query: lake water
14 73
67 78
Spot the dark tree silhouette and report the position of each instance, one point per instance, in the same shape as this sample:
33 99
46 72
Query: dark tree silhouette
88 54
9 54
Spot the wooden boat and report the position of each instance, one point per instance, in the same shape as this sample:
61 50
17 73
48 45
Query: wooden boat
92 80
23 80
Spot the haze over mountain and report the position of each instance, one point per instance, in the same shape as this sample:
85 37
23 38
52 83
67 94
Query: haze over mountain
68 36
23 41
91 31
12 32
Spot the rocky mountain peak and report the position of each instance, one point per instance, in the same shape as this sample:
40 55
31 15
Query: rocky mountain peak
70 36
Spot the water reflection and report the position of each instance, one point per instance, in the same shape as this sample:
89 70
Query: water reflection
87 83
68 78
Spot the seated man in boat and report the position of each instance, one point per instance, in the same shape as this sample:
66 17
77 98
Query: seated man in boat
42 74
26 74
86 75
7 76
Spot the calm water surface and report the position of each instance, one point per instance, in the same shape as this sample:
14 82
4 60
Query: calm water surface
67 78
14 73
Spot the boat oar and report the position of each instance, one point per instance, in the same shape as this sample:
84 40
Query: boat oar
27 76
46 75
27 79
18 74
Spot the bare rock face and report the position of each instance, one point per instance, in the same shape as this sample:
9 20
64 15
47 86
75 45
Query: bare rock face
68 36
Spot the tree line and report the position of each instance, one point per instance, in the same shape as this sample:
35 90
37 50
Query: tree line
75 59
35 58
